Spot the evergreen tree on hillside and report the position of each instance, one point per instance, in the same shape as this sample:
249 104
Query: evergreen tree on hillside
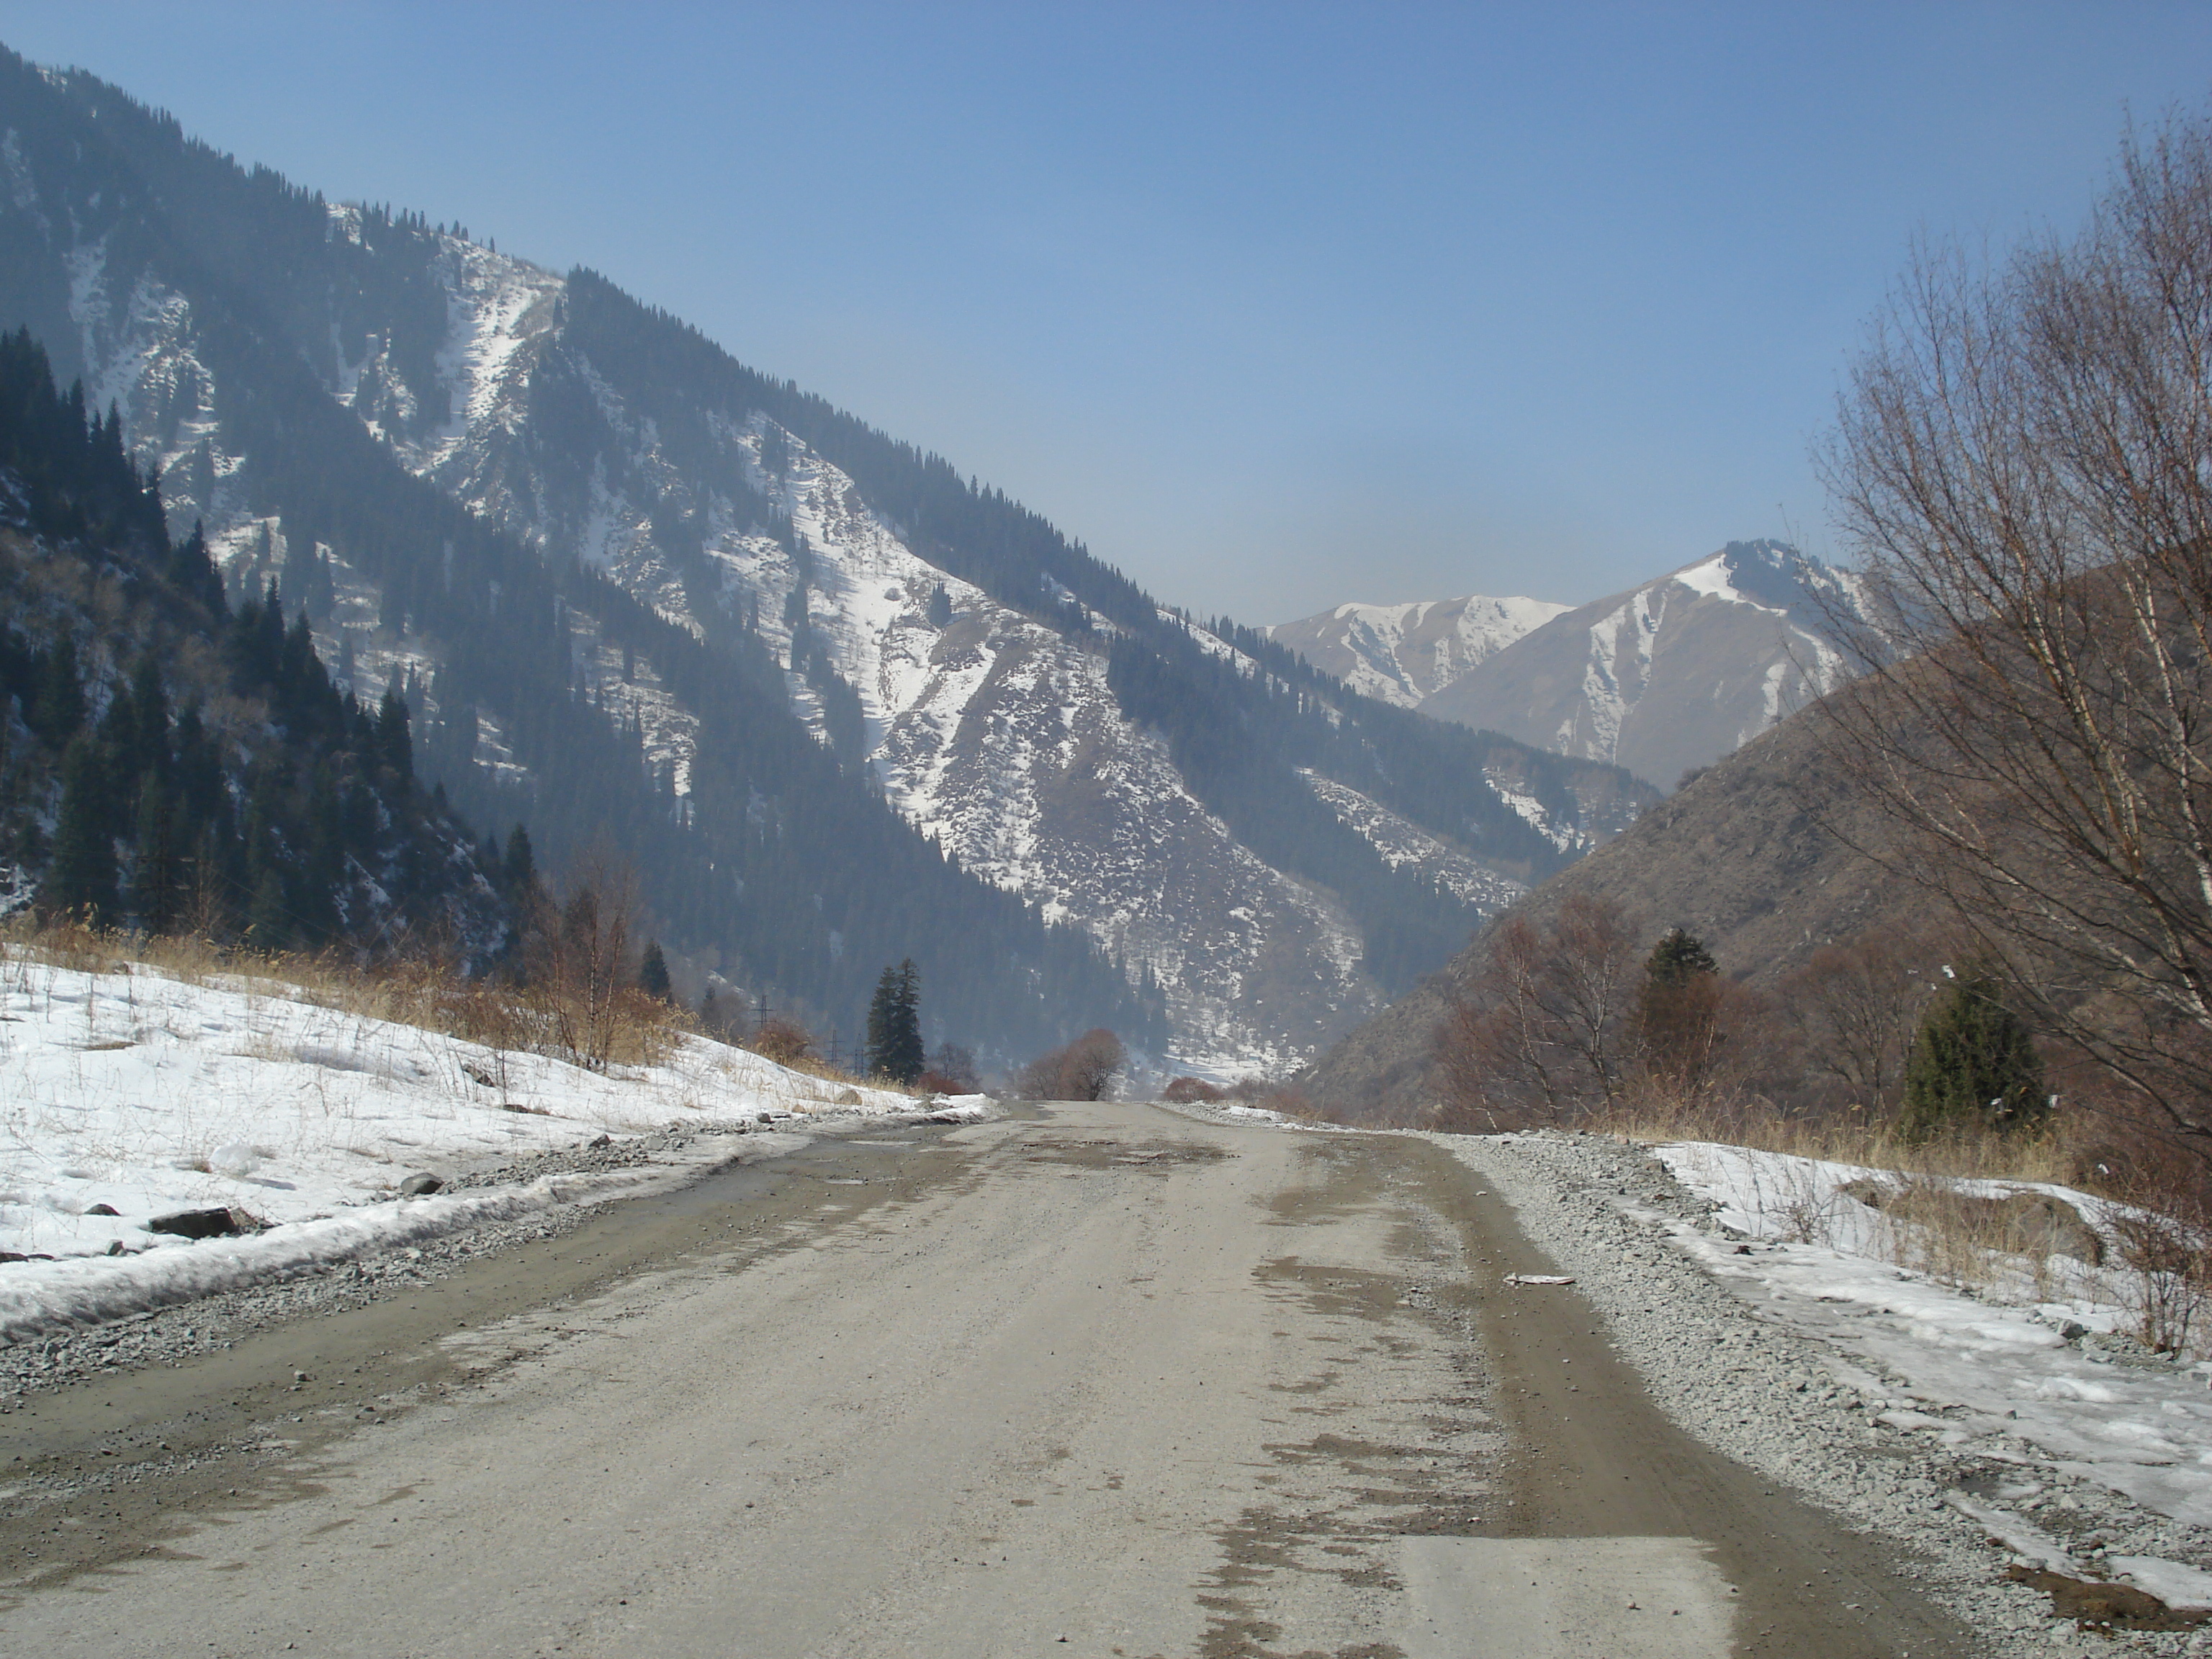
1973 1065
82 880
895 1048
1676 957
653 974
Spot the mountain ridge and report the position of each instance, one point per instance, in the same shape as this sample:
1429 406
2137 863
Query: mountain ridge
1663 677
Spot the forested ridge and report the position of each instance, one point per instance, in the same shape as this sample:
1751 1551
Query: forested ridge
786 864
168 761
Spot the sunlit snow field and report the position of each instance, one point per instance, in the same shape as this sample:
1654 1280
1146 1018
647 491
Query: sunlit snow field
147 1093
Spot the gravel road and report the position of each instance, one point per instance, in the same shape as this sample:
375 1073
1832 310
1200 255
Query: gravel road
1092 1379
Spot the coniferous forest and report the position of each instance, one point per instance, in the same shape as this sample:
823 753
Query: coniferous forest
168 761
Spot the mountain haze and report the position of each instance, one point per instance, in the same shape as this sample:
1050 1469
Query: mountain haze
840 703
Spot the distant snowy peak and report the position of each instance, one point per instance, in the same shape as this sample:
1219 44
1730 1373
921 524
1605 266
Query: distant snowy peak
1401 653
1670 676
1766 575
1665 678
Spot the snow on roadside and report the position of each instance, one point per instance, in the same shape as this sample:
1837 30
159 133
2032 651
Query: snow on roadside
2028 1358
1863 1410
141 1094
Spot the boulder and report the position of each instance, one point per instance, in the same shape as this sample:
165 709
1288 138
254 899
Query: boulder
2038 1225
196 1224
421 1186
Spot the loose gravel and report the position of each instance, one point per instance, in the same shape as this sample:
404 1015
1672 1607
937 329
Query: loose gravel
1801 1412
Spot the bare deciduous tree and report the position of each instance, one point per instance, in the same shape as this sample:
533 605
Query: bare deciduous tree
1543 1036
1855 1005
578 957
2023 462
1083 1069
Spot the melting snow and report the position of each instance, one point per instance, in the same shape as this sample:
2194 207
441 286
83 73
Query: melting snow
1985 1366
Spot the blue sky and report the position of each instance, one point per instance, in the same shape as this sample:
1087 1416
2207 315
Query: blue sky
1272 305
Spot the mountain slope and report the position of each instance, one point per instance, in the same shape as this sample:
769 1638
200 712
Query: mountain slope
842 704
167 762
1758 857
1661 679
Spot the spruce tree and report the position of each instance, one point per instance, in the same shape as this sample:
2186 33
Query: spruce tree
895 1048
880 1020
1971 1065
907 1056
81 879
653 974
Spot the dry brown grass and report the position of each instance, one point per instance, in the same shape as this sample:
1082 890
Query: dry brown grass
2156 1231
627 1028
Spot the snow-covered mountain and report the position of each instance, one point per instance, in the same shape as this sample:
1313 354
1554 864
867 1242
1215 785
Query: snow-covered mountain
1256 845
1662 679
1406 653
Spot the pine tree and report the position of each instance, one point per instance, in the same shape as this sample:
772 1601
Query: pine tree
895 1048
1676 957
1971 1065
82 880
653 974
940 607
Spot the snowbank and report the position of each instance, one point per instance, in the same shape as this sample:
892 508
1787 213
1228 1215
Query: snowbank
2034 1352
126 1096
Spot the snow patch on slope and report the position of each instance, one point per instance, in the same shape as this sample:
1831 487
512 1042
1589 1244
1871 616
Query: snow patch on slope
1401 842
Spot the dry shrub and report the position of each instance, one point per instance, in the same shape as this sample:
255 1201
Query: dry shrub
786 1041
594 1027
2170 1257
1082 1070
1193 1091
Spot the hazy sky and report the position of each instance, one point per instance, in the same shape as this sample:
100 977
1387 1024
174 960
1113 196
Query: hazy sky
1272 305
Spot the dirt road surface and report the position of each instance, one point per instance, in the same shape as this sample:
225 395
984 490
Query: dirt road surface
1092 1379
